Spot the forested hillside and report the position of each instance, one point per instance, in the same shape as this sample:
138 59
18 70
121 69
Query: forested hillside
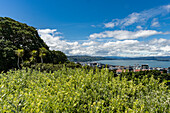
19 36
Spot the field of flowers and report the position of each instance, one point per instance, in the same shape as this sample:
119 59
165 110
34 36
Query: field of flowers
79 90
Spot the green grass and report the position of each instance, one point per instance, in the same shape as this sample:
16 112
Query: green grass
79 90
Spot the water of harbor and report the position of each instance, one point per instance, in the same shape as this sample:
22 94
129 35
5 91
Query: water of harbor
151 63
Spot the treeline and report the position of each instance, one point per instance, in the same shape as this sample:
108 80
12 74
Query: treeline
54 57
11 58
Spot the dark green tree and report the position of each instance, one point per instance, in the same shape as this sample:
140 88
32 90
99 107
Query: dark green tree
58 57
8 59
20 54
33 56
42 53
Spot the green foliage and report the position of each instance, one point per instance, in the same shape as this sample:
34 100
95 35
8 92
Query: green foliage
20 54
79 90
42 53
58 57
8 59
17 36
33 56
20 34
49 67
155 73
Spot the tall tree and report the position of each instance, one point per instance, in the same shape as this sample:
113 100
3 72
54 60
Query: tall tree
20 54
58 57
42 53
33 56
7 55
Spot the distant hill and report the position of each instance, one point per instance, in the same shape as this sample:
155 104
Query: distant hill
87 58
15 35
96 58
159 58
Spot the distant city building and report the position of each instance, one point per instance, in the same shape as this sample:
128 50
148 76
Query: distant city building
168 71
151 68
137 70
145 67
120 69
112 68
130 68
159 68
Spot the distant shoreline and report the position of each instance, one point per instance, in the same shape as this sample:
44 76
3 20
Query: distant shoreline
96 58
151 63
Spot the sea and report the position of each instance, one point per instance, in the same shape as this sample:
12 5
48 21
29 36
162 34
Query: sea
151 63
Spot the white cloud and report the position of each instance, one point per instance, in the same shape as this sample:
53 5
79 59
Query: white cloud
158 41
167 7
124 44
155 23
93 26
124 34
109 25
55 42
89 43
47 31
129 48
166 48
120 43
132 18
139 27
141 17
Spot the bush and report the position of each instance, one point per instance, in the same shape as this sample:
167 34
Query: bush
155 73
76 90
49 67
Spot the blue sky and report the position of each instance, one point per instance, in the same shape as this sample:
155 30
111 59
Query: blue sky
97 27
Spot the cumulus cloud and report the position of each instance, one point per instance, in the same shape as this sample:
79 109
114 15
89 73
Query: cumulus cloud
124 34
141 17
136 48
117 42
166 48
50 36
129 48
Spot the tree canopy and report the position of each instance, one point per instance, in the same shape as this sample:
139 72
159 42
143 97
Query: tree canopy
15 35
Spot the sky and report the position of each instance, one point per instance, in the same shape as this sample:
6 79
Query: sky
126 28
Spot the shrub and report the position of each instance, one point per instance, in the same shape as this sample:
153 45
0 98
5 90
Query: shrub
79 90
